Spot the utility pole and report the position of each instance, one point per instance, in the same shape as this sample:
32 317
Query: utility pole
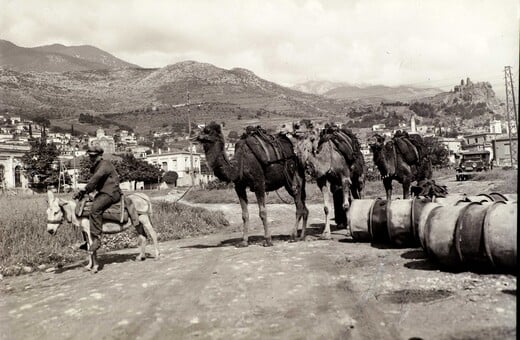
510 96
192 175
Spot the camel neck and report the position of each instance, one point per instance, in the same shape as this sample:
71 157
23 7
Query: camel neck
219 163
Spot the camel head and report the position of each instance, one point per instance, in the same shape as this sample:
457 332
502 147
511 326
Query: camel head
302 128
211 134
384 155
55 213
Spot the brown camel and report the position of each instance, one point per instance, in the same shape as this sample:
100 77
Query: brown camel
246 170
403 163
333 172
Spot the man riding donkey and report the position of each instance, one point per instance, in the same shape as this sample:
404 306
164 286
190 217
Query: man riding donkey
104 180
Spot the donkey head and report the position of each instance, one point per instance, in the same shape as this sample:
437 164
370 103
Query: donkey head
55 213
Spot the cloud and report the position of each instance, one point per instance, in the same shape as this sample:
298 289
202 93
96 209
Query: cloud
287 41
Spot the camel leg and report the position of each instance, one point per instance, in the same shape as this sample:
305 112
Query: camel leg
406 188
345 183
242 197
387 182
147 223
262 211
325 192
302 213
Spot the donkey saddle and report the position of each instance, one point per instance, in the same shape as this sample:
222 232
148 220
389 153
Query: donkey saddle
117 212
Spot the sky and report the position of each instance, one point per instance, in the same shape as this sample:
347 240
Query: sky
425 43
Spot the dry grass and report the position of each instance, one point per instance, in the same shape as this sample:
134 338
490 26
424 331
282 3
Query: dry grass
24 240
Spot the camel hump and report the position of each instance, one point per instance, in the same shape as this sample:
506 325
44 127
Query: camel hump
409 151
268 148
343 142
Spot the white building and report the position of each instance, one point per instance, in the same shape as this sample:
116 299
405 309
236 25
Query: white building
12 174
495 126
180 162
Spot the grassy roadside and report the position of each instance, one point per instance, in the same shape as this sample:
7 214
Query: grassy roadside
26 246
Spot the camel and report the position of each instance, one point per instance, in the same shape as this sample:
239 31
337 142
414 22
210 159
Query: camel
246 170
333 172
60 210
402 165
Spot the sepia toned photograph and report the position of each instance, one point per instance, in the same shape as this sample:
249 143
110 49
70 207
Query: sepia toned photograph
276 169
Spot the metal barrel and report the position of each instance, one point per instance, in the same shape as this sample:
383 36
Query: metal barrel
480 198
377 223
358 219
469 235
399 222
423 221
500 234
511 197
418 204
440 234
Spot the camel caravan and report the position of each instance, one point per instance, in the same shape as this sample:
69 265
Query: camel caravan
332 158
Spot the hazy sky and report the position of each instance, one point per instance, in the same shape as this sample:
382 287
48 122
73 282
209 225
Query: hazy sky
391 42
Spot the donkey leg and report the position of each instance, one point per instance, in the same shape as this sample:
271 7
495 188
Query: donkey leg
260 198
147 223
242 197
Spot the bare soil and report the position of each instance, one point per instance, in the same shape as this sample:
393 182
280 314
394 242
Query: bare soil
206 288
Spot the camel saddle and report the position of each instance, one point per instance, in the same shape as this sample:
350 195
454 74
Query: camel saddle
267 148
409 151
341 140
116 212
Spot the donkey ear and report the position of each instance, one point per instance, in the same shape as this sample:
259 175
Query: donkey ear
50 196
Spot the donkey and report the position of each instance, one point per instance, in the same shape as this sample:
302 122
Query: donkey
60 210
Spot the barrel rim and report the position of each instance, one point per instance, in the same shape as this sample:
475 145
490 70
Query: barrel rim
370 212
498 194
486 231
487 195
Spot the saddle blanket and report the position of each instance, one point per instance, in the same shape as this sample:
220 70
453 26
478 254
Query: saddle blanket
116 212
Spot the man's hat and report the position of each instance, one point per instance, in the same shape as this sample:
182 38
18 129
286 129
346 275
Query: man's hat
94 150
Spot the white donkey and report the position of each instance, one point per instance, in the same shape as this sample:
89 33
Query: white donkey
61 210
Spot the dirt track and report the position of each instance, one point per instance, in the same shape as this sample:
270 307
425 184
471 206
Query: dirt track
206 288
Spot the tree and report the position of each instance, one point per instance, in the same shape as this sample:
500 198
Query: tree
133 169
233 135
170 177
438 152
41 164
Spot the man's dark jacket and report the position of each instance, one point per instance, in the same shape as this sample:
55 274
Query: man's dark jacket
104 179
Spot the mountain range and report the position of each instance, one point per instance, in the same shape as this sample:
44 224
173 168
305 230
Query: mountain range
57 58
374 93
63 81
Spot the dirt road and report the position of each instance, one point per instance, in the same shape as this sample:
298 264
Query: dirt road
205 288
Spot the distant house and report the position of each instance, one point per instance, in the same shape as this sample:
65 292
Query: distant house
104 141
503 151
378 127
454 146
180 162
